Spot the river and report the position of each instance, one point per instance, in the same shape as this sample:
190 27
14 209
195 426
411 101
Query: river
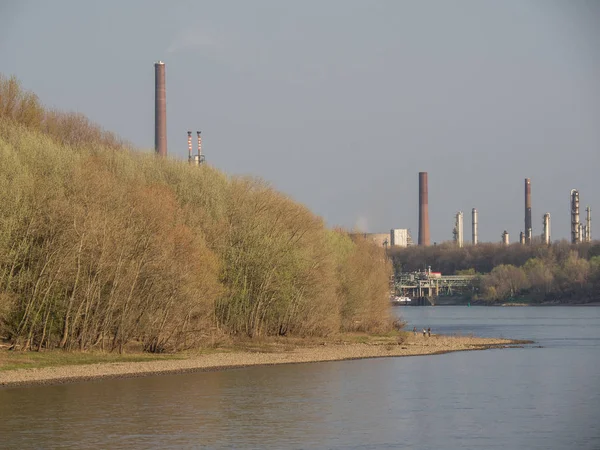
543 396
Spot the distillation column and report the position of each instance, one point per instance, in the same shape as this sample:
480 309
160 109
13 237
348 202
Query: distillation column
474 225
458 229
575 236
528 229
546 234
588 224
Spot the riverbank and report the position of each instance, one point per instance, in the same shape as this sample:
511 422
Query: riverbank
408 345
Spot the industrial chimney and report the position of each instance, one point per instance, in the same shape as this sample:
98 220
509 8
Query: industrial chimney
575 236
528 229
474 226
160 110
505 238
546 235
190 158
522 238
423 210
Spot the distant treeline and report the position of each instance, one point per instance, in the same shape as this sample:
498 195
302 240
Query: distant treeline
101 246
560 271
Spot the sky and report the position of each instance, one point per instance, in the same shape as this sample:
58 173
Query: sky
341 103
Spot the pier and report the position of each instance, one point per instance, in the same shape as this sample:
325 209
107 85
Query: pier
425 287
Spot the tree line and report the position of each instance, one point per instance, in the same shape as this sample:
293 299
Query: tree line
557 272
102 246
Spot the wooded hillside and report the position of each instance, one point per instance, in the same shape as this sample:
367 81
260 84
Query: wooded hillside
101 246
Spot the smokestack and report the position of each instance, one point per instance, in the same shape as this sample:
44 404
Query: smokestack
588 224
522 238
160 110
474 222
528 229
190 159
200 157
458 229
575 236
423 210
505 239
546 235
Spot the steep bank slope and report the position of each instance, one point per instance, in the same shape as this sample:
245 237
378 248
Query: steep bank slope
101 246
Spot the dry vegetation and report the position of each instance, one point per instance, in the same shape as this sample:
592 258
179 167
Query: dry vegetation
101 246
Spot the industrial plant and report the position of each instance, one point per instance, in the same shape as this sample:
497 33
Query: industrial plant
160 119
400 237
397 237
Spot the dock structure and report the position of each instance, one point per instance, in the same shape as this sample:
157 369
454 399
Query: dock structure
430 285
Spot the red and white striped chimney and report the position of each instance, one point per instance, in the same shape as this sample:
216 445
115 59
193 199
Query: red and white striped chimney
199 143
200 157
190 159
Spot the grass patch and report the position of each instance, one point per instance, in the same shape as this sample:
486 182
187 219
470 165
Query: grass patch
13 360
10 360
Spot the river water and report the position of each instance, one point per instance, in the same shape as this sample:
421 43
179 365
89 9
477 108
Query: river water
526 398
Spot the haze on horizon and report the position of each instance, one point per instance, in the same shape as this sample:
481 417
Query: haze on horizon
341 103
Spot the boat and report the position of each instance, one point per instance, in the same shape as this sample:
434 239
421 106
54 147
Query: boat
400 300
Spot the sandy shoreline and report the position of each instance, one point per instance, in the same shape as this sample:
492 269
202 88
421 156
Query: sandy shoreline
413 346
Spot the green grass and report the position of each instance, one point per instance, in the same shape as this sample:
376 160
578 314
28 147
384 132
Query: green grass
13 360
35 360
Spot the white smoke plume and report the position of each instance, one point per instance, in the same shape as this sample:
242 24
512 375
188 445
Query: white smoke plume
361 224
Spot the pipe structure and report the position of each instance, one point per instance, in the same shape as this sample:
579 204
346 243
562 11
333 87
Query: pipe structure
505 238
522 238
190 158
458 229
546 234
528 229
160 110
588 224
575 236
200 156
424 238
474 225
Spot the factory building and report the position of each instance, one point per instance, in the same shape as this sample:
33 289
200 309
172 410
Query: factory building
400 237
397 237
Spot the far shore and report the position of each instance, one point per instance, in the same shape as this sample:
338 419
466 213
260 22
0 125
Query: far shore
409 345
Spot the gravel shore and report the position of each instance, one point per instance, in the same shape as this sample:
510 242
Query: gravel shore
414 345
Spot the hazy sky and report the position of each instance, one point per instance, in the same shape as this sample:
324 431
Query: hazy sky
341 103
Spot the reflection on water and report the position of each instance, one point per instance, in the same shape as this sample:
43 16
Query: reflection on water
546 398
